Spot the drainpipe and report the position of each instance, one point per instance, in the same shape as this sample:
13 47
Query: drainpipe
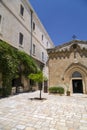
31 32
31 41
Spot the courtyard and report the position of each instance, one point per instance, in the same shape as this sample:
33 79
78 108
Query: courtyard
56 112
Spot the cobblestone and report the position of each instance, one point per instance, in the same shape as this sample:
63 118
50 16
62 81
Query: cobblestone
55 113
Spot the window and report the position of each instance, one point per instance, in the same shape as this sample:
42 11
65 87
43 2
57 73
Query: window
34 47
42 56
42 37
76 74
20 38
33 26
21 10
74 46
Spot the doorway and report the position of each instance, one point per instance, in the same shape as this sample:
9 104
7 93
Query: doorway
45 86
77 86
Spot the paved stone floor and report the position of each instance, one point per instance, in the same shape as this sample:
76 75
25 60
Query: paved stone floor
55 113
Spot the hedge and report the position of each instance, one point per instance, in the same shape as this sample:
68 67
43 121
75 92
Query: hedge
59 90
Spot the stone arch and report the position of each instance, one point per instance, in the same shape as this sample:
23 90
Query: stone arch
75 67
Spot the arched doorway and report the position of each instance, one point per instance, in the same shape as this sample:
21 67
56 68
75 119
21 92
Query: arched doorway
75 75
77 84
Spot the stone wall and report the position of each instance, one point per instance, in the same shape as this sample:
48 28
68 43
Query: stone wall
61 69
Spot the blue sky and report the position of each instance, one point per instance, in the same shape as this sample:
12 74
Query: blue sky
62 18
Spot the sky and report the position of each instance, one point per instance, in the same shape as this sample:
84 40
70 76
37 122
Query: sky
62 18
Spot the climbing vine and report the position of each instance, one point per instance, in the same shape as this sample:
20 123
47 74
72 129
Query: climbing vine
11 62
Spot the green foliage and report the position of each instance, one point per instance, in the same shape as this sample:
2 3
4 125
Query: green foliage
8 58
59 90
13 62
8 66
37 77
27 63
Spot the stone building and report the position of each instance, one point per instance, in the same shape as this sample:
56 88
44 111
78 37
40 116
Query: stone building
68 66
21 28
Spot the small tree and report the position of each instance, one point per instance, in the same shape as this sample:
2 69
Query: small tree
37 77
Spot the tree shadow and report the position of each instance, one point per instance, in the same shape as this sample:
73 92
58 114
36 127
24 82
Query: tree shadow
37 98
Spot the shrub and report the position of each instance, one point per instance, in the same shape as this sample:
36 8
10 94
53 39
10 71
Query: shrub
59 90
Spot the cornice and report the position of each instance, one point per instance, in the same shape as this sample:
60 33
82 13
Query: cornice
71 47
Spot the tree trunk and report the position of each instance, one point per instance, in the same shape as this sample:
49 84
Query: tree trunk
40 94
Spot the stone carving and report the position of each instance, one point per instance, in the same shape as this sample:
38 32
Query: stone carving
65 50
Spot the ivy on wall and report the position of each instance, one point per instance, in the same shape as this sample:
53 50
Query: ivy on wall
12 62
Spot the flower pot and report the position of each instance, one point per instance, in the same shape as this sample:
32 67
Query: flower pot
68 93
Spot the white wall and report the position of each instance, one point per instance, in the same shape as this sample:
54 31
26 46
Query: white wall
13 23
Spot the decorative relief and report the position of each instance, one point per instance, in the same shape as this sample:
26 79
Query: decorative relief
75 48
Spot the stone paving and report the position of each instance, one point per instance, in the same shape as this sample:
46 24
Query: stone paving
55 113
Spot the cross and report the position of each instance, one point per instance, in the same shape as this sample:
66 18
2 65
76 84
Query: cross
74 37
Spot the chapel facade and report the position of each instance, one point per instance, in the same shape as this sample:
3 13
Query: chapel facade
68 66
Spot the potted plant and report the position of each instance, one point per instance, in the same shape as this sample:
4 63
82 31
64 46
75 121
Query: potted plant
68 93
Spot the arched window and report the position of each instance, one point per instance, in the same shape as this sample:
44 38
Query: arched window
76 74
